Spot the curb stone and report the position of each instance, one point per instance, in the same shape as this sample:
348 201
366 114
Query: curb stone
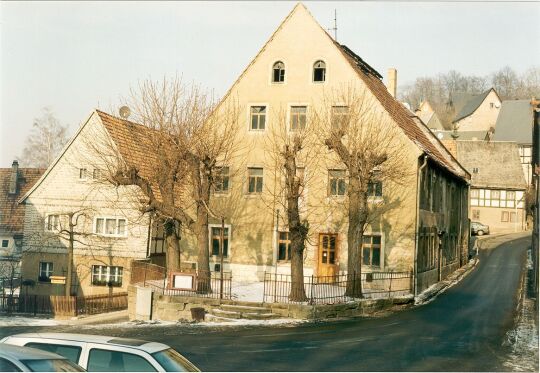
431 293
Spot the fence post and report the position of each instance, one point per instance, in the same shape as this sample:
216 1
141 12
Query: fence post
275 285
264 287
35 304
311 291
390 286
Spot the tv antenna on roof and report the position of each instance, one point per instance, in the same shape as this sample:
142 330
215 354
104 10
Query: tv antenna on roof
335 25
124 112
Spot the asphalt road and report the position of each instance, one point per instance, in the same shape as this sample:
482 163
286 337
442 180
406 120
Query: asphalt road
462 330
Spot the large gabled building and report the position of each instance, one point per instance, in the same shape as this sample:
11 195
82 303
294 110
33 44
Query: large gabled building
291 74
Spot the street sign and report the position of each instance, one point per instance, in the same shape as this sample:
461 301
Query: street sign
58 280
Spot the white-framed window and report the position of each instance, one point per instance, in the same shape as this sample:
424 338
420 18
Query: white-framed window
107 275
110 226
83 174
319 71
45 271
215 238
255 180
221 180
298 118
52 223
257 118
339 116
337 184
278 72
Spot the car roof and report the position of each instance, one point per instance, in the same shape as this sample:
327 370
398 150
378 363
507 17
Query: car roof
26 353
139 344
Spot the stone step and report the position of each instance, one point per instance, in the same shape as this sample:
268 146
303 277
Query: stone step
260 316
226 314
213 318
244 309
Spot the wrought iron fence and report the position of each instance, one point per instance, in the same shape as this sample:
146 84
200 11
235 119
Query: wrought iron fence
332 289
206 284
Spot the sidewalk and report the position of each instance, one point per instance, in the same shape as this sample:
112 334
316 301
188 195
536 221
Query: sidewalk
102 318
431 293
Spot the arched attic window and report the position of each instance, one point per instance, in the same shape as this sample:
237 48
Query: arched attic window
319 71
278 72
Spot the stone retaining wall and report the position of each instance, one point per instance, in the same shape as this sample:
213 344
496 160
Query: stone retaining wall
174 308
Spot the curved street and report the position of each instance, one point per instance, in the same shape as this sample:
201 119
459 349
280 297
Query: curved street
463 329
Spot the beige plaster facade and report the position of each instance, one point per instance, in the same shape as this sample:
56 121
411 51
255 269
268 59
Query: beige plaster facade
70 185
484 117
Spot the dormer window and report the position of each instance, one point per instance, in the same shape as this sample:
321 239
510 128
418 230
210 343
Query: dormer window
278 72
319 71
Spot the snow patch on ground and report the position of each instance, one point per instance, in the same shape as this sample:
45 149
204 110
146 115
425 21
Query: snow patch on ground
247 291
209 323
28 321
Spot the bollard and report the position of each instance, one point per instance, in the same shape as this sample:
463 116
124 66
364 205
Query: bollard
197 313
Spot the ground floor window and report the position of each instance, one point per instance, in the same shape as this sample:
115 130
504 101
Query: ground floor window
107 275
216 238
371 250
476 214
45 271
284 246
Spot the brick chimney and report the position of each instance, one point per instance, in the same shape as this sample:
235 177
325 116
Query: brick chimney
13 178
392 81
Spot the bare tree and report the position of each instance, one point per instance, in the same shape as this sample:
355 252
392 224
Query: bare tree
365 140
47 137
292 147
187 139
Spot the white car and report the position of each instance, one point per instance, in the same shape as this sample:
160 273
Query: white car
26 359
97 353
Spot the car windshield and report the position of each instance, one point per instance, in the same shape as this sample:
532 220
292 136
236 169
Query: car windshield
52 365
172 361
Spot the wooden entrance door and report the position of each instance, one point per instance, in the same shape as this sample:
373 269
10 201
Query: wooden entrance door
328 254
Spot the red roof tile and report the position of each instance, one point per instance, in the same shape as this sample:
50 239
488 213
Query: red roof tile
12 213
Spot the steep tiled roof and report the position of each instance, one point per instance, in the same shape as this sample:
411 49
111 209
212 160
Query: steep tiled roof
515 122
406 120
138 146
470 105
497 162
12 213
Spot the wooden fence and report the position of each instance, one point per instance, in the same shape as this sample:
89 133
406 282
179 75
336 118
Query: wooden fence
63 306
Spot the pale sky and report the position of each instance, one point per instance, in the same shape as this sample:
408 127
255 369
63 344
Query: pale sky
76 56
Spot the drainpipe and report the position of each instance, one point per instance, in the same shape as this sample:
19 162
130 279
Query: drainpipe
416 234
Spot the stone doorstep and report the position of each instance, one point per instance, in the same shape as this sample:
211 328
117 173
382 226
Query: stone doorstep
243 309
227 314
260 316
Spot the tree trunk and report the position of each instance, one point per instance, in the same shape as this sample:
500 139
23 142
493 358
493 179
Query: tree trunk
203 255
297 231
69 260
357 219
202 196
173 247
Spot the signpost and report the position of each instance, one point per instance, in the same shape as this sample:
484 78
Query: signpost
60 280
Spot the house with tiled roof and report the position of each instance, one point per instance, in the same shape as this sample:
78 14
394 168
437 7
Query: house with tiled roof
497 196
14 183
475 112
291 74
428 115
515 123
109 229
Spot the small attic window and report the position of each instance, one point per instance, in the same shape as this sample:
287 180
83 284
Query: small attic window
475 170
278 72
491 105
319 71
